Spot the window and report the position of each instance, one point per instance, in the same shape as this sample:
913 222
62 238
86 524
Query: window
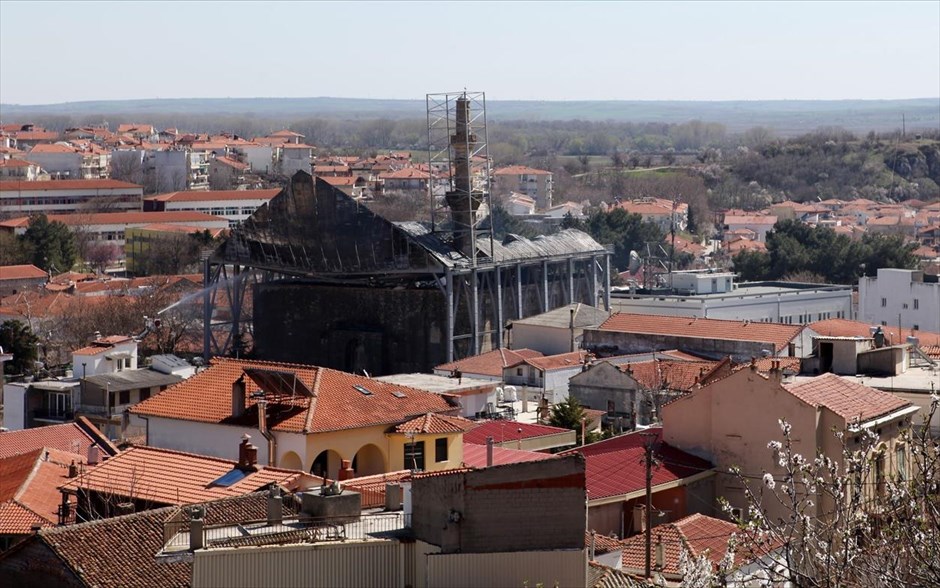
884 302
414 455
900 461
144 394
125 397
916 304
440 449
880 474
518 371
916 327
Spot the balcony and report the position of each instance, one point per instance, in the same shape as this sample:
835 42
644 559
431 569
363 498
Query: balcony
53 415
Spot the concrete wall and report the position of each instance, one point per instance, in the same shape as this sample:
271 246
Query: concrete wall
899 289
548 340
564 569
519 507
601 383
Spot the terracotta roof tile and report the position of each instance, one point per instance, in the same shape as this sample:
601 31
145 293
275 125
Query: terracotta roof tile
474 455
17 519
702 535
777 334
70 437
558 362
32 480
614 467
665 374
21 272
208 195
435 423
372 488
503 431
519 170
652 206
339 402
845 398
162 476
491 363
120 218
66 185
847 328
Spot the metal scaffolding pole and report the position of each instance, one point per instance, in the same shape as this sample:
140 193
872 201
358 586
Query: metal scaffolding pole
499 309
449 294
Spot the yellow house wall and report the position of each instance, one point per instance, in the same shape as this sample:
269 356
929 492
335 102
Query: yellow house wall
347 443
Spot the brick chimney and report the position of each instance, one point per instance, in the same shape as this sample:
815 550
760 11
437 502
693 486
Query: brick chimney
247 455
238 397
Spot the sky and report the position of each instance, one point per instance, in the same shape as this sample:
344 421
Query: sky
74 51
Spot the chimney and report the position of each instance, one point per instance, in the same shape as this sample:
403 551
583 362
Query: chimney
73 469
195 533
660 552
238 397
345 471
275 506
94 455
247 454
489 451
463 200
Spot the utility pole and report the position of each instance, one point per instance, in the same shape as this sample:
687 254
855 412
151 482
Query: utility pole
648 460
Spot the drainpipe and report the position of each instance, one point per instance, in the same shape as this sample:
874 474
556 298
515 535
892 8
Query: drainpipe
263 429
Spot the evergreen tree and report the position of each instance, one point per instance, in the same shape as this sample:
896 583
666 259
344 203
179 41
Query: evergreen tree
18 339
51 244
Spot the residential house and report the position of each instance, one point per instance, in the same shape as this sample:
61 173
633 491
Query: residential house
546 378
759 224
476 396
144 478
519 204
354 186
661 212
20 170
900 297
19 278
408 178
700 536
29 495
227 173
295 157
556 331
486 366
616 482
68 196
731 421
312 418
625 333
633 393
537 184
60 160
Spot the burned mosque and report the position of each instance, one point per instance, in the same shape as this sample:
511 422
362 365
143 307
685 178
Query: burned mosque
316 277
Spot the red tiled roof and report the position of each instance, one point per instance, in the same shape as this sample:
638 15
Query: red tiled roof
17 163
652 206
778 334
750 220
847 328
845 398
503 431
21 272
65 185
53 148
338 404
700 534
491 363
557 362
614 467
435 423
17 519
163 476
519 170
204 195
121 218
674 375
32 480
474 456
408 173
74 437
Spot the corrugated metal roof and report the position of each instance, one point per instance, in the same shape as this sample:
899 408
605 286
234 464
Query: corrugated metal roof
132 380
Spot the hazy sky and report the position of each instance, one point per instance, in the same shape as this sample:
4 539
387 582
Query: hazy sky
61 52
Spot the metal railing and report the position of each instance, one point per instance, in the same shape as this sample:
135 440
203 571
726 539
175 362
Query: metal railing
53 415
299 528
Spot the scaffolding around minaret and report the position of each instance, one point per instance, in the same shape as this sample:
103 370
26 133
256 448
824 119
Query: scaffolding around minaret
457 148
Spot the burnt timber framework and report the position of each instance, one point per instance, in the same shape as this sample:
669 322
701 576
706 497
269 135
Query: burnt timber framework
316 277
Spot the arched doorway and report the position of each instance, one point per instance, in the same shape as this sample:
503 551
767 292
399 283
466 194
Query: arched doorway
291 461
369 460
326 464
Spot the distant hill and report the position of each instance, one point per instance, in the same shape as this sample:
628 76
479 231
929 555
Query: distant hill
785 117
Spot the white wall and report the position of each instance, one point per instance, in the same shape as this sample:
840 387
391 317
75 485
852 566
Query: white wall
891 295
14 406
548 340
202 438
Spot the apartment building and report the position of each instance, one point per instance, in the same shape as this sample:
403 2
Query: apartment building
900 297
534 183
68 196
234 205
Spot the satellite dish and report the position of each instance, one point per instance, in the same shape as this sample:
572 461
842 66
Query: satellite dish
635 262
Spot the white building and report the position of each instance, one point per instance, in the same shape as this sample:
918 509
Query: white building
60 160
234 205
67 196
534 183
704 295
900 296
